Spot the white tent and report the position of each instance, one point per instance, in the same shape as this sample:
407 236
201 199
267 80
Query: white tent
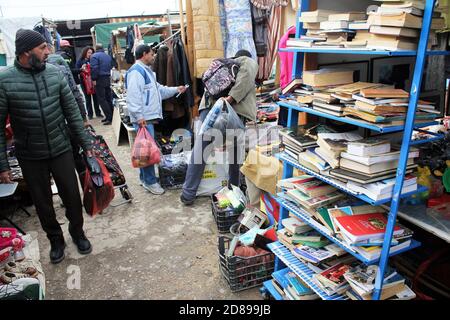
9 27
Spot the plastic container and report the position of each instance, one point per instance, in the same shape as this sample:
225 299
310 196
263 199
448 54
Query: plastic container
244 273
224 218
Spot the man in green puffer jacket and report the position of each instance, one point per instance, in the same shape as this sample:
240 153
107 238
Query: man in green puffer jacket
42 110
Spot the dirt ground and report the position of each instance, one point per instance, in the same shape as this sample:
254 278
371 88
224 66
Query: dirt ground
153 248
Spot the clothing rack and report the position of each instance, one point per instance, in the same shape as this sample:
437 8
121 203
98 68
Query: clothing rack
165 40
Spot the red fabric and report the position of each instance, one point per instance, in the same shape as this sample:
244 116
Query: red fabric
87 80
286 59
6 237
145 150
271 234
96 199
8 130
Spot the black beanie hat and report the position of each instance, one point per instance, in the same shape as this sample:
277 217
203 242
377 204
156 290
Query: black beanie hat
26 40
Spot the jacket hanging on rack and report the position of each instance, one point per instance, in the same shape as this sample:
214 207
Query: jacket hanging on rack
182 72
260 18
129 56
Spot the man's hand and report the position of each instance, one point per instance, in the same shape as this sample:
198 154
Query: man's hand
5 177
230 100
142 123
181 89
86 123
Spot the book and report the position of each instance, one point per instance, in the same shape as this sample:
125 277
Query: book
312 203
382 101
295 225
419 4
334 248
364 115
378 196
311 25
405 20
334 277
347 16
372 169
405 294
324 217
364 226
290 183
294 84
338 212
332 107
312 161
311 254
332 161
355 87
297 136
384 93
370 160
393 44
312 236
298 285
366 178
278 288
327 77
368 147
360 105
359 25
315 16
338 24
328 111
374 252
315 188
395 31
336 142
316 159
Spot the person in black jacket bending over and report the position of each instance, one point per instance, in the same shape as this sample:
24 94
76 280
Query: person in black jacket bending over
42 109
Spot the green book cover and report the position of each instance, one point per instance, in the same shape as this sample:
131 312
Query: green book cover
326 217
314 244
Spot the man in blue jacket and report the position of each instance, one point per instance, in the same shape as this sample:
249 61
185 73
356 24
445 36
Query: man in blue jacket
101 65
144 101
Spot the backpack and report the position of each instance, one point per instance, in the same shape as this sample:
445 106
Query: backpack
220 77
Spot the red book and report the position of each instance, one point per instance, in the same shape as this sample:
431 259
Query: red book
364 226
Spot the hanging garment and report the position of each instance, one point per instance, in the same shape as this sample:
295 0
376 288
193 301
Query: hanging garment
129 56
223 23
274 32
160 68
137 37
260 19
239 24
45 33
182 72
286 59
207 34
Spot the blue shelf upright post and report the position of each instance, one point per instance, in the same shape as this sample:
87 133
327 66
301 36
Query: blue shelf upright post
409 127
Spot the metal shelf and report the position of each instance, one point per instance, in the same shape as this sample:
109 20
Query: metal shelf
274 293
301 270
363 51
302 214
341 186
355 122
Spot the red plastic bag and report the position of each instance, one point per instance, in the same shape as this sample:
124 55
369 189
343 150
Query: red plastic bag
8 130
96 198
87 80
145 150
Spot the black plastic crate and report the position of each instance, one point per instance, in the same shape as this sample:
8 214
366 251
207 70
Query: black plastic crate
244 273
224 218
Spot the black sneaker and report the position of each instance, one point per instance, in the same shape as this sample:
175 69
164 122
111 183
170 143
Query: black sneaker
186 202
83 244
57 251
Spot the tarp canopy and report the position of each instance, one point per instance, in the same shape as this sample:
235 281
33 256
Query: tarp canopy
103 32
9 27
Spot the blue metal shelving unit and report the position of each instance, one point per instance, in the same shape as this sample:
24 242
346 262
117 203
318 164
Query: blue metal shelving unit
282 253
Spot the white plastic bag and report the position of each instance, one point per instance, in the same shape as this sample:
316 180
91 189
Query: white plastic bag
221 117
215 175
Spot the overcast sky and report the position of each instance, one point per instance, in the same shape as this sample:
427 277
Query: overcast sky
83 9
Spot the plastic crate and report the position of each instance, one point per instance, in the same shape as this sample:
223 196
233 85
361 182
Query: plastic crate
244 273
224 218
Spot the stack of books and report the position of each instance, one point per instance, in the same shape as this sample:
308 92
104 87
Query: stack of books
332 144
395 25
332 280
365 233
337 28
386 106
370 160
362 282
296 140
291 287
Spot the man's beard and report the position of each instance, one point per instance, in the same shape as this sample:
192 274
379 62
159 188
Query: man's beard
35 63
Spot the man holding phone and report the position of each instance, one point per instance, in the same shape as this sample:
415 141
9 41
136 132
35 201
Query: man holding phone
144 101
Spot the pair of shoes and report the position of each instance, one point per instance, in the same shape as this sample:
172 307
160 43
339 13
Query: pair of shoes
185 201
99 116
57 251
154 188
83 244
107 123
25 267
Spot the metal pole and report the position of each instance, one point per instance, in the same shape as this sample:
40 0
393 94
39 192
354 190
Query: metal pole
409 127
168 20
183 35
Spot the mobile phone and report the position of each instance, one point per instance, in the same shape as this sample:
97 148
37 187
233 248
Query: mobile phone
186 86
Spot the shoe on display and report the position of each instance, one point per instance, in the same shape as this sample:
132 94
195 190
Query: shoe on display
185 201
8 277
83 244
24 268
154 188
57 251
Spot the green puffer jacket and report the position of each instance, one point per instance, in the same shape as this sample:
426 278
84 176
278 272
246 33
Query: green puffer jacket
42 110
